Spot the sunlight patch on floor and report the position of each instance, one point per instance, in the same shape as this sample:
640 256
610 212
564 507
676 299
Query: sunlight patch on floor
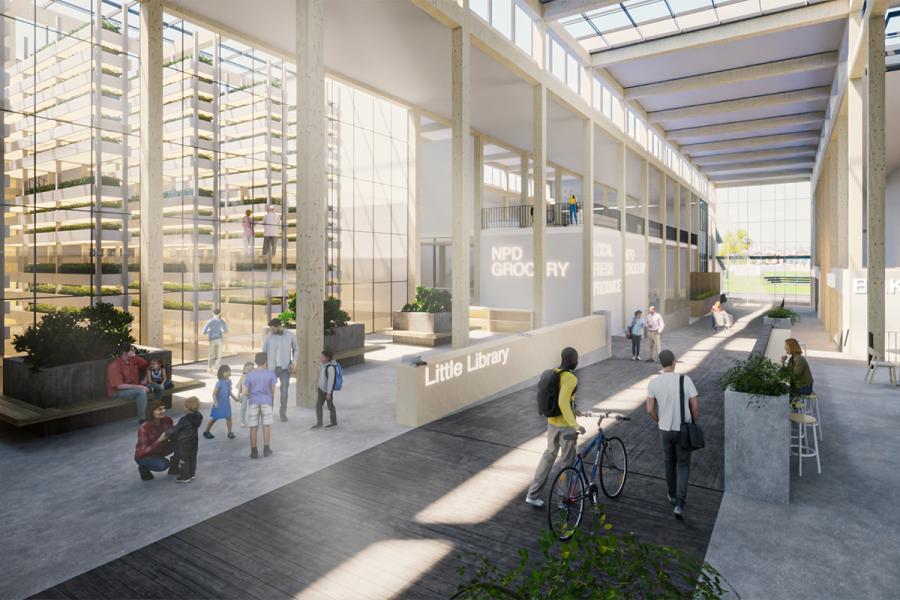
382 570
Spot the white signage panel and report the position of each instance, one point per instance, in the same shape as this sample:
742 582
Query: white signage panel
606 271
635 274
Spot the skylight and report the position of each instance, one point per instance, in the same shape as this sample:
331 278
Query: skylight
635 21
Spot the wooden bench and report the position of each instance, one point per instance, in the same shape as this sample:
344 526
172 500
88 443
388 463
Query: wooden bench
356 356
19 413
418 338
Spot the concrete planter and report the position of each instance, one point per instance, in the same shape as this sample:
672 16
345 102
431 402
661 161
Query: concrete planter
421 322
757 439
784 323
700 308
347 338
64 385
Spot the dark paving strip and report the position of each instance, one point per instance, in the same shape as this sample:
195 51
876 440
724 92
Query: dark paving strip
279 544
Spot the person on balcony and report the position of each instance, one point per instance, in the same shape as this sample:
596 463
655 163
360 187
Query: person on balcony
573 209
271 231
249 233
123 380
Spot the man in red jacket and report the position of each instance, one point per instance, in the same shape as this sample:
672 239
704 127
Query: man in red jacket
123 380
153 444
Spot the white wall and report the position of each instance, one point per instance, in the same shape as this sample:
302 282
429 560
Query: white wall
892 219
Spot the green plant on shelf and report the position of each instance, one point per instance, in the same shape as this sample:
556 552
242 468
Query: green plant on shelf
110 71
49 187
110 93
205 59
74 227
597 564
43 308
74 268
254 301
430 300
205 117
77 205
204 156
69 336
759 376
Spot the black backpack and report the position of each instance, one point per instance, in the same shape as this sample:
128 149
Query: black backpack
548 393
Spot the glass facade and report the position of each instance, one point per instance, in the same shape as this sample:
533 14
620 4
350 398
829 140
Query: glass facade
71 212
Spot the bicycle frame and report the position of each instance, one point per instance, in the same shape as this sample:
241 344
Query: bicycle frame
578 465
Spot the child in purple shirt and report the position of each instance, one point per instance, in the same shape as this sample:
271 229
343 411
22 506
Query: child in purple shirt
260 385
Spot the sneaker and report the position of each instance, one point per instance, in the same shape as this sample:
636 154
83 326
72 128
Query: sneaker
331 425
267 451
230 435
316 426
208 435
679 513
671 499
284 418
145 473
184 478
535 502
254 453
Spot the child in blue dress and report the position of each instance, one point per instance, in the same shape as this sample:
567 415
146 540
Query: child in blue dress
222 397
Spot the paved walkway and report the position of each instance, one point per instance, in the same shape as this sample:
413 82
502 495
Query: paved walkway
390 520
840 535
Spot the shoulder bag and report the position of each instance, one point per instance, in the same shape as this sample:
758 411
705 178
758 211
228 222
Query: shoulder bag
691 435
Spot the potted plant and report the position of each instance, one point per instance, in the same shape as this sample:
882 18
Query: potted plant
66 353
341 336
429 313
757 429
781 317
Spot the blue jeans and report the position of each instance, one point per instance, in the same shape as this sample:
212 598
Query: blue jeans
139 395
573 213
284 378
157 389
153 463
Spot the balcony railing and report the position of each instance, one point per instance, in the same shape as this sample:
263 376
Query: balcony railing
522 215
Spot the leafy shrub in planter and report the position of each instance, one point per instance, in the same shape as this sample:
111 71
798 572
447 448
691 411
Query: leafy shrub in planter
781 312
333 316
758 376
705 295
64 337
430 300
599 564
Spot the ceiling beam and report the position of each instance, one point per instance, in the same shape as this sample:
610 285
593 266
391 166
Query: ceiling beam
808 120
777 68
745 177
740 104
762 179
781 140
758 155
560 9
766 165
729 32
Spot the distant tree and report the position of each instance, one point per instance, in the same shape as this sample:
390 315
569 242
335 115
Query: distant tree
736 243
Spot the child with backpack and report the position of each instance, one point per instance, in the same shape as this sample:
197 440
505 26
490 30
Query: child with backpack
331 379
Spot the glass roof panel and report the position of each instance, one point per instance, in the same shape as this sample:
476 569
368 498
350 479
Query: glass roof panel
644 11
683 6
611 20
579 28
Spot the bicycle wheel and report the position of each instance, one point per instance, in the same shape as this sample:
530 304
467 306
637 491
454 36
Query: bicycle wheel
566 503
613 467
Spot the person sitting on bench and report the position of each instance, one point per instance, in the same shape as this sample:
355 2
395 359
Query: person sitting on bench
123 380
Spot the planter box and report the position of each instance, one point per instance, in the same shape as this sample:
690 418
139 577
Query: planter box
700 308
64 385
784 323
757 442
422 322
346 339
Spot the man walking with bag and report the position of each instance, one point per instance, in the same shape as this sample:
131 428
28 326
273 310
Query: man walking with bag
666 396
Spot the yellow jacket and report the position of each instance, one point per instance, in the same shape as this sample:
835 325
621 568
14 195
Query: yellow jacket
567 384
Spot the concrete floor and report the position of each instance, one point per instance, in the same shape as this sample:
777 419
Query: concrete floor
840 535
75 501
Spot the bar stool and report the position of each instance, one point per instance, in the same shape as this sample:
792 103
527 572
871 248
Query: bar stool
802 449
809 404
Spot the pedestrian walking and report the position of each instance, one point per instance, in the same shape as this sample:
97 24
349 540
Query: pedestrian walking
260 384
635 331
654 325
330 379
215 330
664 396
222 398
562 428
282 352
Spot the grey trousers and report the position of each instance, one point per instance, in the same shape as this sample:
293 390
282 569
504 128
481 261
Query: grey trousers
284 379
555 441
678 465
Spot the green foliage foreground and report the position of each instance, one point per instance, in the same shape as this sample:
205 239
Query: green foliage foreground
598 565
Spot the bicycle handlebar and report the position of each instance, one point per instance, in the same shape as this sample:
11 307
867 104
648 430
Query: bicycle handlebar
607 415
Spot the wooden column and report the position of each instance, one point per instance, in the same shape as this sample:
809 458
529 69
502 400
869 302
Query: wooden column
539 149
478 202
461 184
413 207
875 184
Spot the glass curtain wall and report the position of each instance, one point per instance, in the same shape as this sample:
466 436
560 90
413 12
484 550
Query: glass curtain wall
71 207
70 158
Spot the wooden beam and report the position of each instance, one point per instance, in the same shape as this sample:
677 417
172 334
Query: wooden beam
741 104
730 32
782 140
777 68
810 120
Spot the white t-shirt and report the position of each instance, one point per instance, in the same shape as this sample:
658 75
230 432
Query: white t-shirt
270 225
664 388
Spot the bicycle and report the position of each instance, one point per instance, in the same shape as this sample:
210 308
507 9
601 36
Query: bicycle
572 487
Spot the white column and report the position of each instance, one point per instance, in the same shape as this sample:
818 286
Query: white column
461 184
677 287
875 183
645 195
414 251
151 243
539 148
311 195
478 191
664 248
856 123
587 219
621 195
523 192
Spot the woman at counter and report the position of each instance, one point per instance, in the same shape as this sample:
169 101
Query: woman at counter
801 376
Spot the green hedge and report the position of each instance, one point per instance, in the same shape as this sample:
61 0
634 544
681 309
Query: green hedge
105 180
